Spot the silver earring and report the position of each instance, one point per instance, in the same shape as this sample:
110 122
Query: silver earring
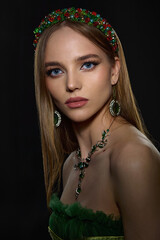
114 106
57 118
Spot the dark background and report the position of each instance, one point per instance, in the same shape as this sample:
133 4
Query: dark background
23 212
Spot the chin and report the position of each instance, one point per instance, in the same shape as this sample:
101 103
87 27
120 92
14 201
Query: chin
80 117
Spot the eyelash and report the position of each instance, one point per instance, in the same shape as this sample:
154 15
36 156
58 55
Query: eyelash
95 63
49 72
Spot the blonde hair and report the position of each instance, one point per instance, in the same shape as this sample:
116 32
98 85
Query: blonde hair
56 143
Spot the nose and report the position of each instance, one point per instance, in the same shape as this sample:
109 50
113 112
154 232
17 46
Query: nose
73 82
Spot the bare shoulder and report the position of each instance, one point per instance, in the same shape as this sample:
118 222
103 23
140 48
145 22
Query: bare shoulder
134 150
135 169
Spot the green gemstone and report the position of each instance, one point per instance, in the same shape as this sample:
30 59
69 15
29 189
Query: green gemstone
79 189
81 165
116 107
103 134
113 40
81 175
85 165
101 145
93 149
55 119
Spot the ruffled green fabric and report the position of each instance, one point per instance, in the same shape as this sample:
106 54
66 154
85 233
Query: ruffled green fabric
73 221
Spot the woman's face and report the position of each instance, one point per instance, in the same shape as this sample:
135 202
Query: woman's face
79 75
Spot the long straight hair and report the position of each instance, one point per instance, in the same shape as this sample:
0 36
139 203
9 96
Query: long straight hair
56 143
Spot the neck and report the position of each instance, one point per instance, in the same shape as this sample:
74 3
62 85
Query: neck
90 131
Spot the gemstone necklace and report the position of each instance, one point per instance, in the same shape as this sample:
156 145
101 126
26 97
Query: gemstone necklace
84 162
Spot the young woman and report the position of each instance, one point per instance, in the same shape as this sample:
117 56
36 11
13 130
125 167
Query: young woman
109 185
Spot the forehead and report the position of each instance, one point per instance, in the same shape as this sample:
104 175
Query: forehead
65 43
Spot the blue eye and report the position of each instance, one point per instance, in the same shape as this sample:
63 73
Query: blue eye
89 65
54 72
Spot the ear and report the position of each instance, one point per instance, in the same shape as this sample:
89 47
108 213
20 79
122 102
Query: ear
115 71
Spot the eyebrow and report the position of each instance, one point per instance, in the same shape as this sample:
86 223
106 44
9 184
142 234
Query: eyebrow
87 56
81 58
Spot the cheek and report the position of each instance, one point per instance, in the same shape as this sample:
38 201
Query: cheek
55 89
101 85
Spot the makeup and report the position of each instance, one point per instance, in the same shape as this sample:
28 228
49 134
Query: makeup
76 102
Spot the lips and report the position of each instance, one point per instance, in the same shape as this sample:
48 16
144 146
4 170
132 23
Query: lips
76 99
76 102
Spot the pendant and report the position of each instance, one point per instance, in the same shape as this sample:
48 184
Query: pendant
84 163
78 189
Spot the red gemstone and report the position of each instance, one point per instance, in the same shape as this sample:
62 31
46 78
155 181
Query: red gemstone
76 15
87 20
58 10
109 38
58 18
95 24
79 9
66 14
94 13
105 26
51 19
104 20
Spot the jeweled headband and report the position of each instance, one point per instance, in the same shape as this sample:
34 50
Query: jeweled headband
77 15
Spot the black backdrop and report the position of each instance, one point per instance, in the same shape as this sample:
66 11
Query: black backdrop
24 214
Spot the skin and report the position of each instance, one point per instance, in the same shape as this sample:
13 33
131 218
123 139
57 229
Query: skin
74 79
123 178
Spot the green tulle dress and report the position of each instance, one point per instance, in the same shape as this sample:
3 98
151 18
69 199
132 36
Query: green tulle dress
74 222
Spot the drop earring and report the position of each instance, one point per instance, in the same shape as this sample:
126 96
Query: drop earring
57 118
114 106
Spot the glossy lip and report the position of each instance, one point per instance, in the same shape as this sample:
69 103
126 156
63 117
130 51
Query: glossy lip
76 99
76 102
